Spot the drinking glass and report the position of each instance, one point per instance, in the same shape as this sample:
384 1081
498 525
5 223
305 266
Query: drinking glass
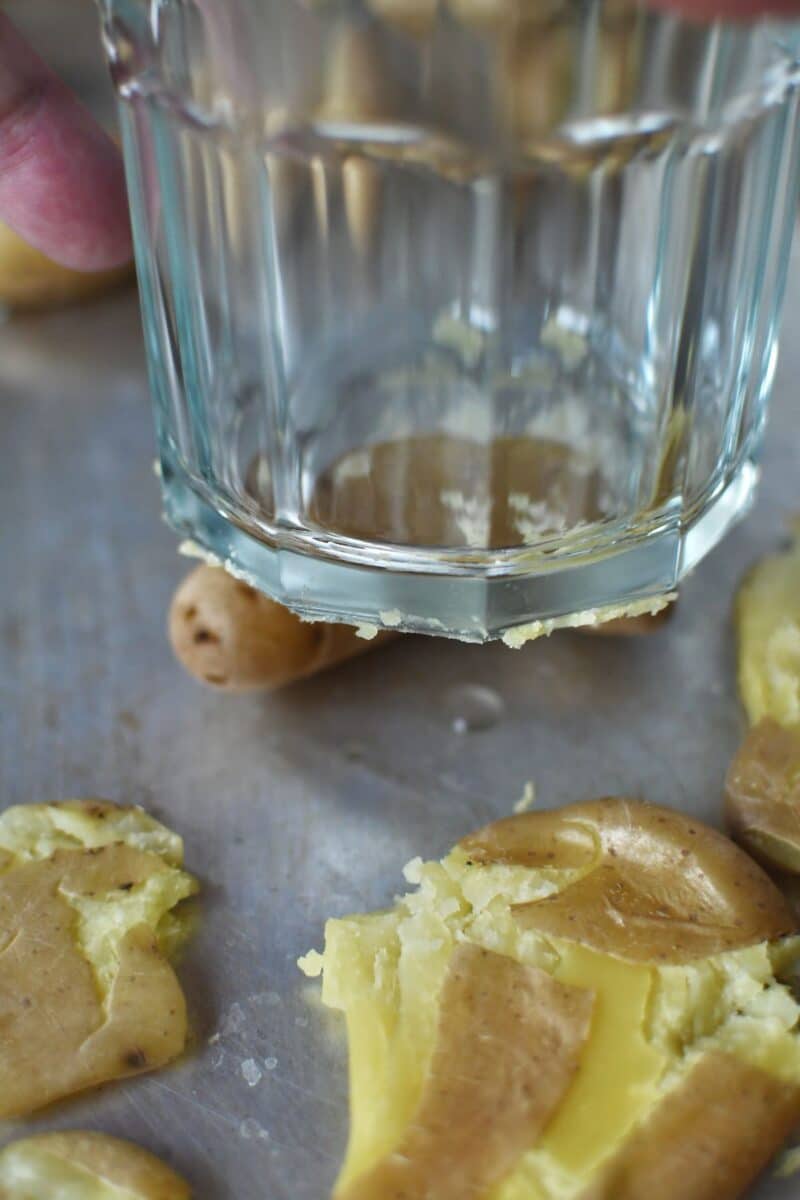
460 315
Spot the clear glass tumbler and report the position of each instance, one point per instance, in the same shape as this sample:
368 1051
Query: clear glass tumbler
461 314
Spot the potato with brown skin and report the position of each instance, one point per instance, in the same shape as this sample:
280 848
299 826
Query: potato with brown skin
511 1039
231 636
668 935
711 1137
762 795
762 788
705 898
66 1164
86 993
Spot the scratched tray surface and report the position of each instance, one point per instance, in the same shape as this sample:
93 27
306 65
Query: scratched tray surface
306 804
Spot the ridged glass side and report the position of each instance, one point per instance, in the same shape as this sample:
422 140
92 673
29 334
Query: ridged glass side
471 320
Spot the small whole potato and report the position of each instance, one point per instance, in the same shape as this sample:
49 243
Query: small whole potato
229 635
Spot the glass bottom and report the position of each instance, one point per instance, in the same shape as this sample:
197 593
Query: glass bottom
478 597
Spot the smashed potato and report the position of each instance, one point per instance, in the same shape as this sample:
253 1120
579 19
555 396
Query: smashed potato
664 1062
762 795
85 1166
768 627
86 992
762 789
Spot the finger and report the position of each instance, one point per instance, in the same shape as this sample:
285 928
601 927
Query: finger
62 186
734 10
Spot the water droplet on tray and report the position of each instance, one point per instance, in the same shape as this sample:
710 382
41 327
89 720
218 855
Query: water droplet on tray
472 708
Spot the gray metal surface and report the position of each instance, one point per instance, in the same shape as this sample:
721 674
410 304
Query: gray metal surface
308 803
305 804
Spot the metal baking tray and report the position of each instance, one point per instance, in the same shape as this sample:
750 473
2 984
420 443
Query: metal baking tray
305 804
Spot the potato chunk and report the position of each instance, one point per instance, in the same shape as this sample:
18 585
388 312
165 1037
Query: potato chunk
678 1070
86 993
84 1166
508 1044
768 628
762 795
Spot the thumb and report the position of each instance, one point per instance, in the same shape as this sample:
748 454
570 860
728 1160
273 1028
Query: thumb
62 186
732 10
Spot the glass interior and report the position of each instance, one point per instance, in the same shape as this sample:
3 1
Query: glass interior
485 275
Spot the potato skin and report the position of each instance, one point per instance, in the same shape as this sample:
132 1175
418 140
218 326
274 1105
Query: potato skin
698 947
58 1038
111 1160
762 795
663 887
231 636
509 1037
708 1139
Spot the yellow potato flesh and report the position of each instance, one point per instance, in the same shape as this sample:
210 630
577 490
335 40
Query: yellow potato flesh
762 788
387 971
31 832
508 1044
84 1166
707 1139
86 994
617 1070
768 628
34 1176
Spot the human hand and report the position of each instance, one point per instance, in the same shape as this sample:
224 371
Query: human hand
736 10
62 187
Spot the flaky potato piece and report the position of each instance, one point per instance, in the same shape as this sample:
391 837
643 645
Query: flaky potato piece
661 887
509 1037
639 626
705 1138
768 630
762 795
669 1064
86 992
78 1165
762 789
